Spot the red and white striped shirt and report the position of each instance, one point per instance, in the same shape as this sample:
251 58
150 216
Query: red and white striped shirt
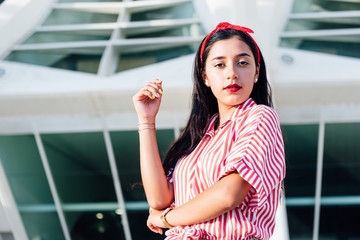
249 143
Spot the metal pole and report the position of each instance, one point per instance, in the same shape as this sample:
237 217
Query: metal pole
319 171
51 184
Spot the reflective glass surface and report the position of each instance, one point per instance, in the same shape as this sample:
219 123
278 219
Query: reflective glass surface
70 61
75 34
166 32
22 164
301 6
25 173
126 150
185 10
80 167
132 60
63 17
101 225
339 222
42 225
301 221
54 37
300 153
324 26
139 230
341 160
70 1
77 62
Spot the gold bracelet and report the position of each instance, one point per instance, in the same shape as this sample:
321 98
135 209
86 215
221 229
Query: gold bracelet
146 128
146 123
163 217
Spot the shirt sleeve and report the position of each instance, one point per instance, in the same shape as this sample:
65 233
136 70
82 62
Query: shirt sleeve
258 153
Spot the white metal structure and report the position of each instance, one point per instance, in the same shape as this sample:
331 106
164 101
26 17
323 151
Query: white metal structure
309 86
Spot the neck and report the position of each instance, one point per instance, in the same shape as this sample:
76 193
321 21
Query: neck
225 113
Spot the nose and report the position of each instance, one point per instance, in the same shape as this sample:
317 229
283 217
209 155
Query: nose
231 72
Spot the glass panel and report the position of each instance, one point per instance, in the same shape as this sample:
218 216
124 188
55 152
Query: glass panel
27 179
139 230
324 15
339 222
164 138
95 225
126 150
324 5
349 49
70 1
318 24
180 11
42 225
61 17
24 169
170 32
80 167
301 153
76 62
301 221
6 235
341 159
42 37
132 60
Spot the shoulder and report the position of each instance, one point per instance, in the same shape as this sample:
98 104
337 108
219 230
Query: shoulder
262 110
258 113
255 118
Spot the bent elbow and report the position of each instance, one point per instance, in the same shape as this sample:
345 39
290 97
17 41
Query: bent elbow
230 203
159 205
231 199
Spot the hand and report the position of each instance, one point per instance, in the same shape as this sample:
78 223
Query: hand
147 100
154 222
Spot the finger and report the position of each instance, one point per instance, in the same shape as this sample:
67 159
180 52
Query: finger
155 89
156 81
155 229
157 84
149 94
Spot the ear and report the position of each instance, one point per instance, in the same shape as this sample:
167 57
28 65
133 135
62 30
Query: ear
205 79
257 71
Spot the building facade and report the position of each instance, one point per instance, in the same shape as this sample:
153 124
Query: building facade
68 132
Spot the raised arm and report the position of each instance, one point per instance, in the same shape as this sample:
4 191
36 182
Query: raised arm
159 192
222 197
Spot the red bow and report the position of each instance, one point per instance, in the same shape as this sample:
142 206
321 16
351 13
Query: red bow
226 25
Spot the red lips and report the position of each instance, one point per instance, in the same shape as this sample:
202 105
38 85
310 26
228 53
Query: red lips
232 88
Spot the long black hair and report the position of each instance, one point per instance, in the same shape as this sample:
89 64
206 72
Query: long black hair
204 103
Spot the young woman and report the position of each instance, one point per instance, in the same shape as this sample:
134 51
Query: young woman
221 179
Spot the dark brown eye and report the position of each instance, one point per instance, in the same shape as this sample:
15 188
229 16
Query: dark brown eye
243 63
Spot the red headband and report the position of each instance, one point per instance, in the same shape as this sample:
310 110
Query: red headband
226 25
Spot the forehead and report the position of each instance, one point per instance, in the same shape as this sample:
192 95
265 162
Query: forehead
233 46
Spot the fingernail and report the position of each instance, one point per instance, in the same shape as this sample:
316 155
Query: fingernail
152 96
160 91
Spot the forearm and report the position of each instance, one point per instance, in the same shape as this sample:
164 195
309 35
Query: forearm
223 196
159 192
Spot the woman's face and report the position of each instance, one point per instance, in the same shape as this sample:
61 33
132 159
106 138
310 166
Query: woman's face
230 72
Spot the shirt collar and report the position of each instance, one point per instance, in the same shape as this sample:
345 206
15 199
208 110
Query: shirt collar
210 131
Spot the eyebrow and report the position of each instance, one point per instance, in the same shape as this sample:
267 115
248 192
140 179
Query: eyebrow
239 55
